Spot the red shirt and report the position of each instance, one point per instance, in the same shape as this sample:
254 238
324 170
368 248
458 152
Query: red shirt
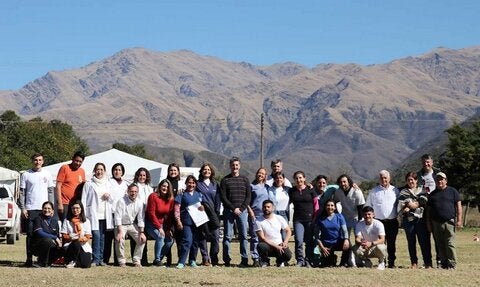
159 211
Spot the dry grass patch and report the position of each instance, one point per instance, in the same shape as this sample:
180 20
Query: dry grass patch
466 274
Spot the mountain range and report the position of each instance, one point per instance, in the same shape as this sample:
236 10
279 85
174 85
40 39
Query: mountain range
329 119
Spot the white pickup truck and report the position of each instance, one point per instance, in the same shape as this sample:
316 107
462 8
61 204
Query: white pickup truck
9 216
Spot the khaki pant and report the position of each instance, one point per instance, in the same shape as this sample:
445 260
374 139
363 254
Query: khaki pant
131 230
378 251
444 235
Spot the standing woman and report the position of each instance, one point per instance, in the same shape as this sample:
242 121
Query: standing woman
302 197
208 187
185 223
76 231
411 204
46 244
98 202
278 194
255 210
159 219
119 187
173 175
142 179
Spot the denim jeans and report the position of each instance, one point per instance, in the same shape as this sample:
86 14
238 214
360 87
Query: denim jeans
98 242
303 233
242 224
414 230
162 244
253 238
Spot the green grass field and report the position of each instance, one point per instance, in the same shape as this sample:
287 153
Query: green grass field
466 274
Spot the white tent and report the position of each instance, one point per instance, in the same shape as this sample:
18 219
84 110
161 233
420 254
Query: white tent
131 162
10 179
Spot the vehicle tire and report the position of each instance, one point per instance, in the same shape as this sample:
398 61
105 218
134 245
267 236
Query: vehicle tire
11 238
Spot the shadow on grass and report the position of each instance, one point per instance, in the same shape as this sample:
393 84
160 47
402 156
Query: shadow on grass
6 263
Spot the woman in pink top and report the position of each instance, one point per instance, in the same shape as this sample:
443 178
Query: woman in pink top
159 218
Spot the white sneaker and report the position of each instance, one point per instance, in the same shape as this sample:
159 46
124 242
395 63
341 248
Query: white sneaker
71 264
381 266
282 264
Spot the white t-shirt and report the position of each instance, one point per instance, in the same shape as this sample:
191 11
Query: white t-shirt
36 184
429 181
272 227
370 232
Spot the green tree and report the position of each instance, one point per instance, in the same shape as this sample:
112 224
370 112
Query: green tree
461 161
20 139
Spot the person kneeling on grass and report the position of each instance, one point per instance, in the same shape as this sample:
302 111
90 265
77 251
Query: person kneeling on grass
269 229
331 235
129 220
370 238
76 232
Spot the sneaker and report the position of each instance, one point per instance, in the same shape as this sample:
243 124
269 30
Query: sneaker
381 266
137 264
71 264
28 263
243 264
193 264
256 263
101 263
123 265
264 264
180 266
299 264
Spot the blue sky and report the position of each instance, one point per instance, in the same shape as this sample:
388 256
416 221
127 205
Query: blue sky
41 36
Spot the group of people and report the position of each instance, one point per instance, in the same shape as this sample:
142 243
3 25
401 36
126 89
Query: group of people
62 219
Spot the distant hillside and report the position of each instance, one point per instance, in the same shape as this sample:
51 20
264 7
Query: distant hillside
327 119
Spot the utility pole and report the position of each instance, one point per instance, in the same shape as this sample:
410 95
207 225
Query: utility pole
261 140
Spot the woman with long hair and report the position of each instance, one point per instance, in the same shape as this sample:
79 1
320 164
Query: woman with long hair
98 202
259 194
411 204
46 244
302 198
173 175
208 187
159 219
76 232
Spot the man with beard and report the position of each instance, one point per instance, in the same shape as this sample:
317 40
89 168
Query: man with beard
269 229
352 200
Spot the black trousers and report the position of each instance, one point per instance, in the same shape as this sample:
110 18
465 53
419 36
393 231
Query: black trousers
391 231
76 253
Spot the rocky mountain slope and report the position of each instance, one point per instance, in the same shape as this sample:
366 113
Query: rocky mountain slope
327 119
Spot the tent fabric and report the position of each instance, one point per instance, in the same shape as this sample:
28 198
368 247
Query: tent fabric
131 162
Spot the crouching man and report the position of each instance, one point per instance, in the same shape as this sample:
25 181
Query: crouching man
269 231
370 239
129 220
